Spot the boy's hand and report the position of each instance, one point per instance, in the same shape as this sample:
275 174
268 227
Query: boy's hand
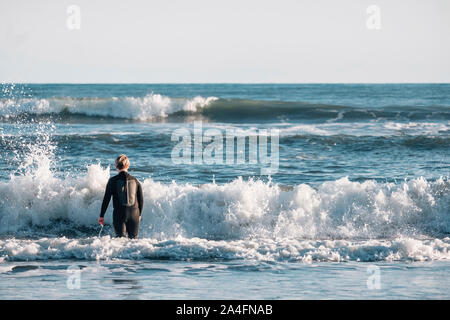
101 221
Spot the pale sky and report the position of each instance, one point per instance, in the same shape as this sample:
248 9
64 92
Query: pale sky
179 41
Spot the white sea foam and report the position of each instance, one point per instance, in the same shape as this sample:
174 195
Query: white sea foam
370 128
339 209
425 128
401 249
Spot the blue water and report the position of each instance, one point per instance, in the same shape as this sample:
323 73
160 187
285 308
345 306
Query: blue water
361 180
228 280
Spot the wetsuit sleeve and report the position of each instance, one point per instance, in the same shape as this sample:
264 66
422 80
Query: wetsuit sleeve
106 199
140 198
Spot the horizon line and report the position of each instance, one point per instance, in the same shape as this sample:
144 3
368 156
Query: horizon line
231 83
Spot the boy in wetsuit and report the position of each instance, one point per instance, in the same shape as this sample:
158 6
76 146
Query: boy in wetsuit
128 201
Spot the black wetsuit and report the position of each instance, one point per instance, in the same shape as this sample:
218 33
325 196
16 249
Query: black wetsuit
127 201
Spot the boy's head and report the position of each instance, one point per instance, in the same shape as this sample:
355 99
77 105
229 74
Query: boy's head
122 162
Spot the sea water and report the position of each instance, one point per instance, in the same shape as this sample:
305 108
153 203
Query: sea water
359 206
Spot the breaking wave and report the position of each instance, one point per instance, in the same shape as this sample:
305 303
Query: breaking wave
151 106
340 209
53 218
154 107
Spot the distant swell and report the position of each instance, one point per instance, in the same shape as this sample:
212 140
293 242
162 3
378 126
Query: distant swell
153 107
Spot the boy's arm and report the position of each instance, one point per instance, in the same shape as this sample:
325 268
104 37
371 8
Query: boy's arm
106 199
140 198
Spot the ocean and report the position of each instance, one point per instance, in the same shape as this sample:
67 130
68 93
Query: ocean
323 191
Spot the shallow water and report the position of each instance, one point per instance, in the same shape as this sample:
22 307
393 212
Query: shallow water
118 279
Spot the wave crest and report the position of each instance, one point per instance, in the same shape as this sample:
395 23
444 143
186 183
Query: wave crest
155 106
144 108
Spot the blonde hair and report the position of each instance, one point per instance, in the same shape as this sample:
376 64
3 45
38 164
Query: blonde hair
122 162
